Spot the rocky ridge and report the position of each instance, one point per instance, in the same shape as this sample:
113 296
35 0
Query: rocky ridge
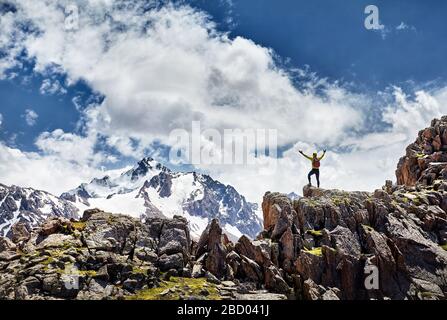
327 245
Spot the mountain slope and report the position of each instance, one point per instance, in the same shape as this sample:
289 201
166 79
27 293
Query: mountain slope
31 207
152 190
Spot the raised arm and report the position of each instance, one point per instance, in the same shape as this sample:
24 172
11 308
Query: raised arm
322 156
306 156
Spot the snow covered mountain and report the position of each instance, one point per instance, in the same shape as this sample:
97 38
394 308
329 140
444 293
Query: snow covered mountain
151 189
30 206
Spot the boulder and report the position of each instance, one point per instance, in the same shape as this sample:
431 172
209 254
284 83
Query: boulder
274 281
258 250
55 225
309 191
6 245
272 206
173 261
20 231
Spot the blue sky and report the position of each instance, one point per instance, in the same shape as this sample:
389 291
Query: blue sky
334 84
329 36
324 35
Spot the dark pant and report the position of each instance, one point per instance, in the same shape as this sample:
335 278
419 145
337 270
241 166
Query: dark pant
316 172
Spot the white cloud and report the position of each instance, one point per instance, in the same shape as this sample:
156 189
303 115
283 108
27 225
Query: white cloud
162 75
72 148
49 173
181 69
51 87
1 119
403 26
30 117
370 160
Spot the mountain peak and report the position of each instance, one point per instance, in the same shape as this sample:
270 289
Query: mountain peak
151 189
144 166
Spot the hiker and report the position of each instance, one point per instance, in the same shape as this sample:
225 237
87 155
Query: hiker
315 166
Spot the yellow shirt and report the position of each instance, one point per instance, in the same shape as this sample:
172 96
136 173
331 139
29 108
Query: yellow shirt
312 159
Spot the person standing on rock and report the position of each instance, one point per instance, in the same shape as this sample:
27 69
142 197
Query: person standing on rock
315 166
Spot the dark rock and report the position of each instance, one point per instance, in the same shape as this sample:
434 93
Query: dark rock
173 261
6 245
212 243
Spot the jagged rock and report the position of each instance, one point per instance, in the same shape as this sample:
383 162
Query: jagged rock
272 206
312 291
6 245
344 240
109 232
19 232
212 242
173 241
274 282
259 251
318 247
58 240
54 225
251 270
426 157
197 271
56 286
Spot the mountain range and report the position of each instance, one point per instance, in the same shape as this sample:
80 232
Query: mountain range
149 189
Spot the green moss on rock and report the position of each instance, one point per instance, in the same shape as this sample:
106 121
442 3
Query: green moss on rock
177 287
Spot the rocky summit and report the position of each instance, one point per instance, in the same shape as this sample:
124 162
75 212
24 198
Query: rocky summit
326 245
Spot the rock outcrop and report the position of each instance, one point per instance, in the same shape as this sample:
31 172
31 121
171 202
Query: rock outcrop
332 244
102 256
113 256
425 160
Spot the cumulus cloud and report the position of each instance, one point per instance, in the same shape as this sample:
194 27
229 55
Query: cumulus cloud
30 117
357 163
160 69
51 87
171 66
48 172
